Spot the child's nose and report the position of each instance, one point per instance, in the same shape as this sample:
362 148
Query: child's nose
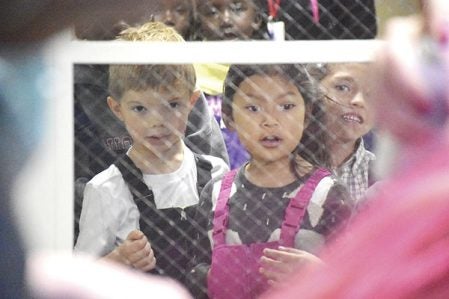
168 18
226 18
269 120
358 99
154 120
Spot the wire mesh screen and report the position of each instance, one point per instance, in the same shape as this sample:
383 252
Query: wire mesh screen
342 19
280 114
248 19
154 143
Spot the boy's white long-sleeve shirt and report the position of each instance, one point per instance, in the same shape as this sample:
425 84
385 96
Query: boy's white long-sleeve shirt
109 213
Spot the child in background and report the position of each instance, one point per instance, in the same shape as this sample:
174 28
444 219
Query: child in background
281 196
179 14
349 116
231 20
227 20
140 211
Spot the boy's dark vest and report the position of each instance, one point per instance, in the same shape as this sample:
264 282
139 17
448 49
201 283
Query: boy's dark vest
173 232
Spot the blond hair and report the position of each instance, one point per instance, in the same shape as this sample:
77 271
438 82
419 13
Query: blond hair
151 31
124 77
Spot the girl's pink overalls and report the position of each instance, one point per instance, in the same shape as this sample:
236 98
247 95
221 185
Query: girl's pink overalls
234 271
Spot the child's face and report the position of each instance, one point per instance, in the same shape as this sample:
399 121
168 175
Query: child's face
268 115
227 19
349 114
156 119
176 14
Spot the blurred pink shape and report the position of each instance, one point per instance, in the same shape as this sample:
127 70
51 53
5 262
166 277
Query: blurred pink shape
397 248
78 277
315 11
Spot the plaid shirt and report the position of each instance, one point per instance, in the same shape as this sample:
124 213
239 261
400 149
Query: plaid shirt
354 173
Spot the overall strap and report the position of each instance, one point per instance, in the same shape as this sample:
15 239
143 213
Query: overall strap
162 227
134 179
140 191
297 208
142 195
221 212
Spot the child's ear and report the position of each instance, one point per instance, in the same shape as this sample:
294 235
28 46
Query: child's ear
229 123
257 22
115 107
306 121
307 116
194 97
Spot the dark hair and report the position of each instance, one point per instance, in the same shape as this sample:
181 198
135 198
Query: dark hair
318 70
312 146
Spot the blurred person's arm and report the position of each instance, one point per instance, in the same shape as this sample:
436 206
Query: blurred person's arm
67 276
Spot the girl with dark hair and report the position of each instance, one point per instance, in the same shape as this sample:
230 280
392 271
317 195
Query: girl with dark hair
219 20
282 198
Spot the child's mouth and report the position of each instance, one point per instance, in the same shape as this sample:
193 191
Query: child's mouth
229 35
349 117
271 141
159 139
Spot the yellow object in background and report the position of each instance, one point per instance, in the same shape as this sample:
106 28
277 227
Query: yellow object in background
388 9
210 77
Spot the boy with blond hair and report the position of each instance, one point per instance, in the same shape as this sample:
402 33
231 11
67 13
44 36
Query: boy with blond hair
141 211
101 138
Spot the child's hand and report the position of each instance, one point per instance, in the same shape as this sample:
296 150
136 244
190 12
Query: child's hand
277 264
136 251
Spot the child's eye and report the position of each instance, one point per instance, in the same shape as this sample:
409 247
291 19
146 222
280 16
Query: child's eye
138 109
252 108
181 9
343 87
210 11
174 105
288 106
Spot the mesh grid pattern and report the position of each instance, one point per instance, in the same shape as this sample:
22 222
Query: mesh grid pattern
100 139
